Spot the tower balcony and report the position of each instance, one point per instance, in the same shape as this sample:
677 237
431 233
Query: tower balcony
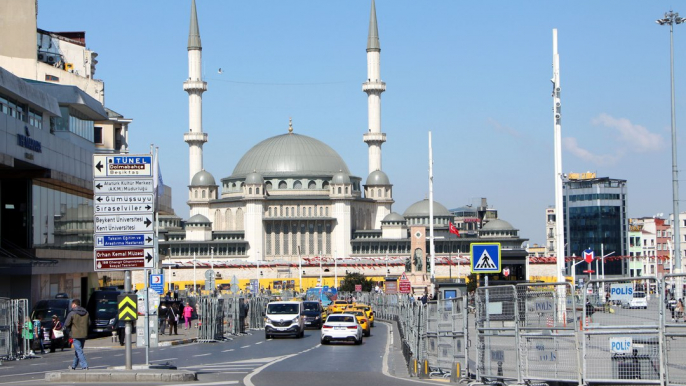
374 86
374 137
194 85
195 137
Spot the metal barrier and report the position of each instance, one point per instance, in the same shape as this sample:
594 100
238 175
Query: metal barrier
674 328
13 314
548 345
497 334
228 315
622 342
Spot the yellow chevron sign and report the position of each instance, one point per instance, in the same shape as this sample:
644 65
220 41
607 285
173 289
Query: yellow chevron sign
128 307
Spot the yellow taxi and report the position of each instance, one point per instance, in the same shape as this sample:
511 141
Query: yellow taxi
337 306
368 311
361 319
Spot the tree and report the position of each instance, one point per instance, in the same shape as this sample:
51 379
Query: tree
353 278
471 283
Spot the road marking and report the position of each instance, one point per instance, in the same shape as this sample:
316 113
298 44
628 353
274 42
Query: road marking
95 358
165 359
118 355
227 350
259 342
201 355
246 346
208 384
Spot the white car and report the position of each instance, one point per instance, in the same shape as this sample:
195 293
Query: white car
284 318
639 300
341 327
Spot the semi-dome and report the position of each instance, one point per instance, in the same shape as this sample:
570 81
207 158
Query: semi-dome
290 155
254 178
202 178
421 209
198 219
393 217
498 225
340 178
377 177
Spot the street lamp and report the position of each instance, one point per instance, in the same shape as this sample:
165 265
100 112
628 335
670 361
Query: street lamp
671 18
335 270
300 270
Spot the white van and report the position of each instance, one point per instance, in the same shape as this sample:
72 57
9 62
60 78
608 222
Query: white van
284 318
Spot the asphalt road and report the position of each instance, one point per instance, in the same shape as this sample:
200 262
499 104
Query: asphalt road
245 360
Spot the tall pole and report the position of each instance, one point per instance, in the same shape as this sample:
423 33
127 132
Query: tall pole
671 18
128 327
558 177
300 270
335 270
432 249
195 285
257 274
321 282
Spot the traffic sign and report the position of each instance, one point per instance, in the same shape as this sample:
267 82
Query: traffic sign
123 259
157 283
588 255
124 203
127 307
589 271
358 287
485 258
123 185
124 240
404 285
120 223
122 165
506 272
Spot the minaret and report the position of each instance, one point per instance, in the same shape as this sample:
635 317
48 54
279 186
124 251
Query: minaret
194 86
374 87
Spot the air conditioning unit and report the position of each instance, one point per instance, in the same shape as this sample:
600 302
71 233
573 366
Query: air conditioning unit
51 59
41 57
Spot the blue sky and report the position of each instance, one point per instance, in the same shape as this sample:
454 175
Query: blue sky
475 73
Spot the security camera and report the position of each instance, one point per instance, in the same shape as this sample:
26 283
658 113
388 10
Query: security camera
557 89
557 116
558 104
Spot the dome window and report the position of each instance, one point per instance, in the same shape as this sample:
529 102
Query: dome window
268 186
297 185
249 190
339 190
325 185
282 184
257 190
312 185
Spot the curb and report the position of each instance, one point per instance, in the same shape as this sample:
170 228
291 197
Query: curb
122 376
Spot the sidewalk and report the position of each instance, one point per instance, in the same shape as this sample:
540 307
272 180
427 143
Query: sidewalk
112 342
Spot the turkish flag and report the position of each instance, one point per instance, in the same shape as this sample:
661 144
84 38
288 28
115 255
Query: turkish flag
453 229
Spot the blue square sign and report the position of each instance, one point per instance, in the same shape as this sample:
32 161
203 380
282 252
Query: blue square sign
157 283
485 258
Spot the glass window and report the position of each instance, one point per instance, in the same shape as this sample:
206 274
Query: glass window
97 134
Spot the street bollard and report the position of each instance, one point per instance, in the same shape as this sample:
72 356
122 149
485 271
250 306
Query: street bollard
455 374
425 370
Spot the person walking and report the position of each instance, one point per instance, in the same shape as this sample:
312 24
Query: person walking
77 323
187 314
39 332
27 336
162 315
173 319
56 334
680 309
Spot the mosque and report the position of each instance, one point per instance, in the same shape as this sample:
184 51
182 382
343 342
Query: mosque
292 200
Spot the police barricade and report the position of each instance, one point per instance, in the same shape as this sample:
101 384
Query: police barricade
210 312
452 336
674 327
429 333
7 327
621 332
496 325
549 349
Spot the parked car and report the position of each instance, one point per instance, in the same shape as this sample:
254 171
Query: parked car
103 311
314 314
284 318
341 327
639 300
46 309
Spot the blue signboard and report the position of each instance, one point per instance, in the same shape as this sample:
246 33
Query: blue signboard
485 258
124 240
157 283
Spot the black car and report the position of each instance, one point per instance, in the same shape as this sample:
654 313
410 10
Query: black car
313 314
45 309
102 309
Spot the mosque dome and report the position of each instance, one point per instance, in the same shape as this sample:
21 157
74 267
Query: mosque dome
377 177
202 178
290 155
254 178
393 217
340 178
198 219
421 209
498 225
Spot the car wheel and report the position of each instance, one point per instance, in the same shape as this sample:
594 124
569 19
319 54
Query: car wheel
367 333
324 341
267 336
372 324
358 342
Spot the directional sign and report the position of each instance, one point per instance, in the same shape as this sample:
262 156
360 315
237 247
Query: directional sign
588 256
157 283
122 165
123 259
123 223
123 185
124 240
485 258
127 307
124 203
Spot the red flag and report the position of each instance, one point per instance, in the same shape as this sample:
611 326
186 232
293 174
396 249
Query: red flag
453 229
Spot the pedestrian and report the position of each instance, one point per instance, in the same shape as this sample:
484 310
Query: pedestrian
77 323
162 315
121 332
39 332
173 319
425 298
187 314
680 309
27 335
56 334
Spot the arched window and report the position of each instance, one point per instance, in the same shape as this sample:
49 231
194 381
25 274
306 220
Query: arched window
228 220
339 190
297 185
346 190
196 194
379 193
371 192
325 185
309 212
239 219
233 186
257 190
287 212
218 219
270 211
312 185
203 193
282 184
268 185
249 190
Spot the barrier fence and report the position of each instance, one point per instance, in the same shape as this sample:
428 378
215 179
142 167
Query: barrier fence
13 314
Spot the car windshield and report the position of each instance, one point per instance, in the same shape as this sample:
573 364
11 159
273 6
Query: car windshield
282 309
341 318
638 295
358 313
340 302
311 306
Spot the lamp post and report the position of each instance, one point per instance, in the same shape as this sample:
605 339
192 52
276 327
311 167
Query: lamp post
335 270
257 273
195 285
671 18
171 286
321 283
300 270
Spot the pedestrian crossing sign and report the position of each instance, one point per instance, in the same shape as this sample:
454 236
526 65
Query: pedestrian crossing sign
485 258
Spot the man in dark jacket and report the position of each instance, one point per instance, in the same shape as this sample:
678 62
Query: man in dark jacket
77 323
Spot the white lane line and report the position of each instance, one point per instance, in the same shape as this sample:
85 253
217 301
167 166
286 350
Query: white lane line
95 358
208 384
228 350
164 359
246 346
201 355
119 355
259 342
